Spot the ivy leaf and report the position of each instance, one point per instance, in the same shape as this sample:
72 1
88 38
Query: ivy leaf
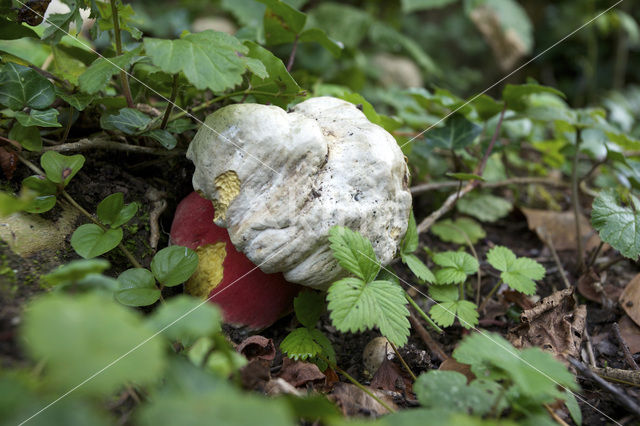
77 100
445 313
209 59
61 168
174 265
36 117
617 224
75 335
516 96
456 265
127 120
484 207
279 85
458 133
354 253
29 137
99 73
21 87
455 231
184 318
163 137
89 240
137 288
309 306
358 306
517 273
418 267
301 343
319 36
486 107
410 240
112 211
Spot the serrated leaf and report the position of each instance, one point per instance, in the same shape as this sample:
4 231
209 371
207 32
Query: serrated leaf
410 240
21 87
112 211
79 335
125 17
617 224
174 265
10 30
456 265
300 344
165 138
61 168
89 240
354 253
99 73
418 268
29 137
484 207
357 306
127 120
208 59
455 231
444 293
60 23
446 312
137 287
184 318
457 133
516 96
518 273
309 306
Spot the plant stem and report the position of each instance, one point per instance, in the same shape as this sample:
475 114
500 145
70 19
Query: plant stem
485 158
123 75
575 201
172 99
404 363
422 313
67 129
292 56
491 293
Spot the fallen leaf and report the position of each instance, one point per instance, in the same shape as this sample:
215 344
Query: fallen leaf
450 364
299 373
630 333
560 227
257 347
590 286
256 375
391 378
280 386
630 299
8 162
355 402
554 324
518 298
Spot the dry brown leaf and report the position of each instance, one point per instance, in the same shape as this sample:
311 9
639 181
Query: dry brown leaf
630 333
555 324
590 286
355 402
518 298
299 373
507 46
390 377
451 364
630 299
8 162
257 347
256 374
280 386
561 228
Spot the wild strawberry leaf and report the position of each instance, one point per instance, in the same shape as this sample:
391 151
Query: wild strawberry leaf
445 313
454 231
519 273
354 253
456 265
418 268
303 343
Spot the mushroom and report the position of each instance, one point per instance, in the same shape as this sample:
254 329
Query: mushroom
279 181
246 295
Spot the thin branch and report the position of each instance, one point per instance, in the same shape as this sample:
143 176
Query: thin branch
575 201
99 143
625 349
426 187
483 163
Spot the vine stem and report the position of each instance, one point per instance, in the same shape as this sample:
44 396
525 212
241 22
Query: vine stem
422 313
123 75
172 99
575 201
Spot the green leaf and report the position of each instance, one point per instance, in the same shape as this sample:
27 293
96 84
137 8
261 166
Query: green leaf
344 23
10 30
75 271
409 6
184 318
89 240
163 137
61 168
444 313
449 390
444 293
77 100
319 36
29 137
80 335
174 265
60 23
125 16
457 133
180 125
358 306
209 59
618 224
46 190
309 306
458 231
281 22
387 37
517 273
127 120
465 176
516 96
36 117
21 87
10 204
486 107
484 207
456 265
99 73
301 344
112 211
418 267
410 240
354 253
279 86
137 288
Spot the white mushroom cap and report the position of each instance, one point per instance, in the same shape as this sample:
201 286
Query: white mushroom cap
280 181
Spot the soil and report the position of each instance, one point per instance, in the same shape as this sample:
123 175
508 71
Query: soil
107 172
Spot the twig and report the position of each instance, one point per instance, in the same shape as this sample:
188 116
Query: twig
158 206
292 56
627 377
589 347
625 348
549 242
433 346
555 416
575 201
172 99
614 390
123 75
87 144
403 362
427 187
